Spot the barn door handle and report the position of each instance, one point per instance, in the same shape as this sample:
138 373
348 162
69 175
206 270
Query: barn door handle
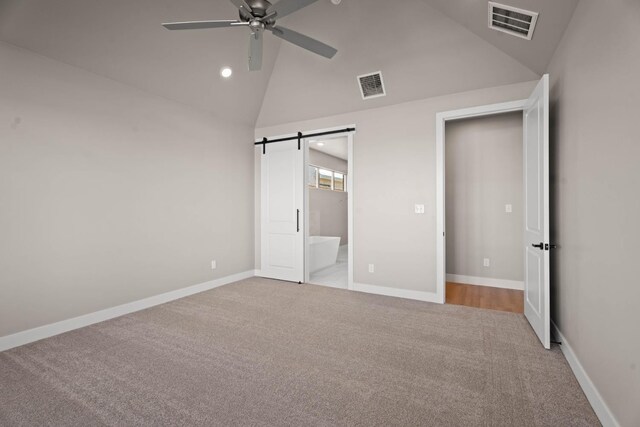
297 220
539 246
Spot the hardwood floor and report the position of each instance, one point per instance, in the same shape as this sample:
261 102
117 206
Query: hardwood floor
485 297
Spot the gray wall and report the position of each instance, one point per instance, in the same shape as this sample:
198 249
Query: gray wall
595 205
319 158
109 194
484 173
394 168
328 210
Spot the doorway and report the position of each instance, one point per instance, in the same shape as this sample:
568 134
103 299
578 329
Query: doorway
535 161
327 186
484 216
306 233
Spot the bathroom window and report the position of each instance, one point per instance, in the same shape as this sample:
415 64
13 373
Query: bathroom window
326 179
338 181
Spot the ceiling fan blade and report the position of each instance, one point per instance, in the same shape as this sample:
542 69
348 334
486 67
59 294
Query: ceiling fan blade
287 7
255 51
242 6
199 25
304 42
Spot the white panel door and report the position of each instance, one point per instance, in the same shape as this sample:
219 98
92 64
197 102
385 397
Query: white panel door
282 219
536 190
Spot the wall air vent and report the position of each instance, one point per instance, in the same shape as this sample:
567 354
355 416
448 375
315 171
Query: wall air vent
511 20
371 85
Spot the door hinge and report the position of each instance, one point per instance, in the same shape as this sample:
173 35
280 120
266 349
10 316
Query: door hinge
548 246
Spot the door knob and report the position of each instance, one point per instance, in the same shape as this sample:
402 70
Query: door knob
539 246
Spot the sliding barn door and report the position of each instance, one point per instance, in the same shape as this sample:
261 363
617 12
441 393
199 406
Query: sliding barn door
536 189
282 227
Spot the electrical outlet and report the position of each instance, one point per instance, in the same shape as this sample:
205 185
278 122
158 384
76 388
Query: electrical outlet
508 208
419 209
487 262
214 264
371 268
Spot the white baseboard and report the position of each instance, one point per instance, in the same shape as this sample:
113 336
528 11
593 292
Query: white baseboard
599 406
486 281
46 331
394 292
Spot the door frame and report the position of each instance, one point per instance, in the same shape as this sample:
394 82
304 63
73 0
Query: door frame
350 180
441 119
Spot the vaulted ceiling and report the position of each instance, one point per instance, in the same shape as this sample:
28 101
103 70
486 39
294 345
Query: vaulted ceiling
423 47
554 16
124 41
420 51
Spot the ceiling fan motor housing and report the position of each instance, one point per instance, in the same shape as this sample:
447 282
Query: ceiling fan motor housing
256 25
258 8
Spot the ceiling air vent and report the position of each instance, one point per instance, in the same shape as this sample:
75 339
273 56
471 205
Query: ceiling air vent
511 20
371 85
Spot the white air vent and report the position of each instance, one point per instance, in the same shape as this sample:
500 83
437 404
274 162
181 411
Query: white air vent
371 85
511 20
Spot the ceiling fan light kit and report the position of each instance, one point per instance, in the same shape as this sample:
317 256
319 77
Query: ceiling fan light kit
258 16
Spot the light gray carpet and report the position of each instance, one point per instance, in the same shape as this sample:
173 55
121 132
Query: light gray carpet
262 352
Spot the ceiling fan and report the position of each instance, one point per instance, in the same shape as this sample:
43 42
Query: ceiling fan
261 15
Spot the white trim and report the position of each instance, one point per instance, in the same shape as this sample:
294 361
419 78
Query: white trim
483 110
441 119
486 281
306 215
395 292
46 331
593 396
350 176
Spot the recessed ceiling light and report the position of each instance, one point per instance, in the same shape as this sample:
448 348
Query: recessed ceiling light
226 72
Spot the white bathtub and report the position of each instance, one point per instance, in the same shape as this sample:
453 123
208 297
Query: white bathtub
323 252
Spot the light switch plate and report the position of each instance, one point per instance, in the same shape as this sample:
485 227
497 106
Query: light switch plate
487 262
508 208
214 264
419 209
371 268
